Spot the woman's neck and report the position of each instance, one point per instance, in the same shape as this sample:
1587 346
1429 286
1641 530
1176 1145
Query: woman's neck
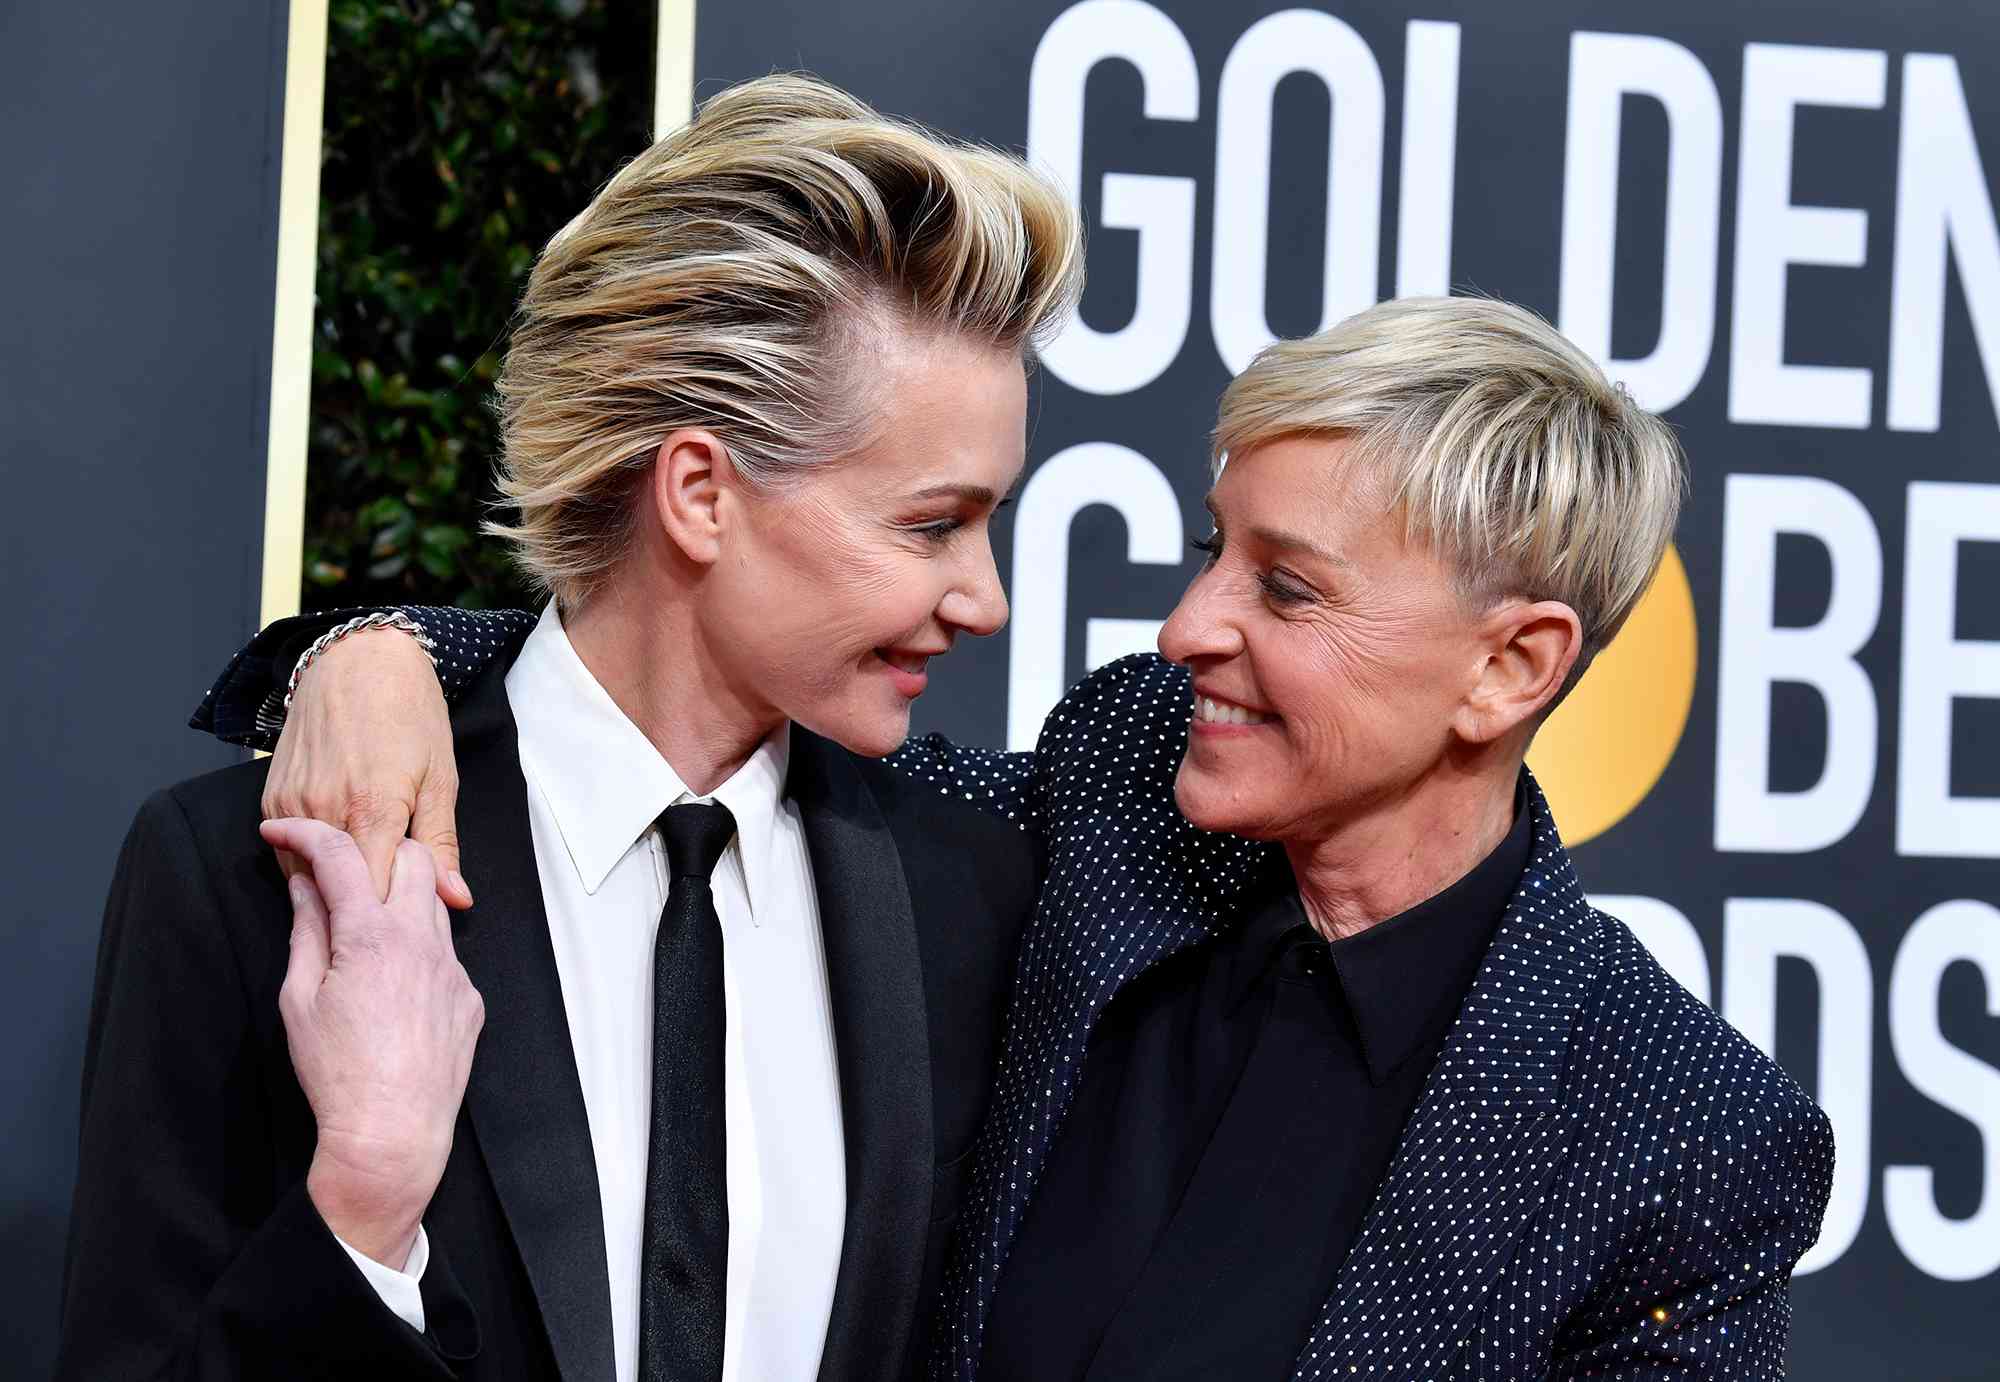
1386 861
647 651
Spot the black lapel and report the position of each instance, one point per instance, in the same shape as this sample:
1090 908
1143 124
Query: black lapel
1488 1133
882 1036
524 1095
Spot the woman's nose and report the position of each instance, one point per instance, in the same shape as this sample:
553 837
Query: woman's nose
978 604
1198 627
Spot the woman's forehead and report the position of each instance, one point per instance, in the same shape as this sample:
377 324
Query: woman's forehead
1309 485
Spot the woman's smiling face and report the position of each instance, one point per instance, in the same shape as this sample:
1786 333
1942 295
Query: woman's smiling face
839 588
1330 654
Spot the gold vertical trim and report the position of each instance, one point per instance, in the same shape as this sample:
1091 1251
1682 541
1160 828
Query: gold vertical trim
673 67
292 317
298 236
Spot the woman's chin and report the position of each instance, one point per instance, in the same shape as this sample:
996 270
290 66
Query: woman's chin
873 735
1206 802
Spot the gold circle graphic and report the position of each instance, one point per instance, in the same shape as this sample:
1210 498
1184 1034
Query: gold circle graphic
1605 747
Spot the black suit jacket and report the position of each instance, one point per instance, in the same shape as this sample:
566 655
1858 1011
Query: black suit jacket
194 1251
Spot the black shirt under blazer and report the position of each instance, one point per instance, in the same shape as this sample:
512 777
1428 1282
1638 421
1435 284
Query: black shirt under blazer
1239 1105
1601 1179
194 1251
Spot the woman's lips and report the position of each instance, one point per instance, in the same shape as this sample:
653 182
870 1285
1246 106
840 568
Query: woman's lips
1211 710
906 670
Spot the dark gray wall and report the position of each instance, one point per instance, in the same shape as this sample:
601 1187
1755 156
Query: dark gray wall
139 150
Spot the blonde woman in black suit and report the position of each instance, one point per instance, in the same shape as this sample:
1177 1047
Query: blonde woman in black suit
739 983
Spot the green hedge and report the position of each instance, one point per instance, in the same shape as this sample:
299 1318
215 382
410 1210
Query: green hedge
458 138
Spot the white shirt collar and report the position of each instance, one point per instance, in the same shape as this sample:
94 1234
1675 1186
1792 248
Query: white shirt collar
605 782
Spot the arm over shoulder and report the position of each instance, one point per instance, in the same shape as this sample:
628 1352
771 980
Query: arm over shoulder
246 703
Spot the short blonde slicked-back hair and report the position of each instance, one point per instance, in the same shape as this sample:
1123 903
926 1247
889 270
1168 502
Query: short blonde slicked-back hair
1504 447
732 278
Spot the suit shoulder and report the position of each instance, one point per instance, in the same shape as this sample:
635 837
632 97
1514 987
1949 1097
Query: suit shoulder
193 848
196 903
222 808
1723 1163
1649 1033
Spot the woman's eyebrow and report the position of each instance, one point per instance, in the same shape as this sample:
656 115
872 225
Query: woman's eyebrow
1296 542
972 494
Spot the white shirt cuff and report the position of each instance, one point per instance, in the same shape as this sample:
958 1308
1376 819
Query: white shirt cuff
398 1290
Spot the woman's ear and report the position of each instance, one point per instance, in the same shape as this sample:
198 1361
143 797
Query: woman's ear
691 472
1530 651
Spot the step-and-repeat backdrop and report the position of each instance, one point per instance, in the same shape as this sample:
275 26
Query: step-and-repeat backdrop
1775 222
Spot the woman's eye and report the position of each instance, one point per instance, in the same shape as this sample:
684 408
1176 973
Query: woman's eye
1209 547
1282 591
939 531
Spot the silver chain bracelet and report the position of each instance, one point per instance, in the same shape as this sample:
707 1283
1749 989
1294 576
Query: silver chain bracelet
388 619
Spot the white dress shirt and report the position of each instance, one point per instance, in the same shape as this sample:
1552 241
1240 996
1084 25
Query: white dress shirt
595 786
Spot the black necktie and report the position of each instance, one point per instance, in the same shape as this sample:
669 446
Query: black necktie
686 1264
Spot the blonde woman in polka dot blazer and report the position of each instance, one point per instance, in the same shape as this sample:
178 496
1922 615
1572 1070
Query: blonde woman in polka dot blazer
1318 1063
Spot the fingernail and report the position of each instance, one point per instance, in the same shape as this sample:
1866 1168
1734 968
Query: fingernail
297 888
457 881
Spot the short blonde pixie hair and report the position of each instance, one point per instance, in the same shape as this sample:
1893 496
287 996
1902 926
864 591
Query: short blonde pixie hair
735 277
1505 448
